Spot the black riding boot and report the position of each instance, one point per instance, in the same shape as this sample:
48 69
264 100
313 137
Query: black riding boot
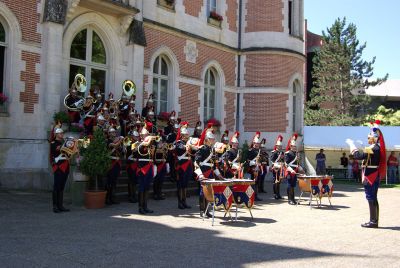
108 195
180 199
60 202
278 190
55 202
155 190
145 204
185 205
132 193
292 200
141 203
373 215
274 187
256 198
160 194
112 197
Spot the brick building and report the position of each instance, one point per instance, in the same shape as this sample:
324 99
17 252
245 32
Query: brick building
246 70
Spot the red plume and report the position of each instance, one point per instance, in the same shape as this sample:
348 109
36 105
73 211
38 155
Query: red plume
279 138
294 137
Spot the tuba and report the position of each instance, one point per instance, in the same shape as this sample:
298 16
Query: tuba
128 88
76 103
80 83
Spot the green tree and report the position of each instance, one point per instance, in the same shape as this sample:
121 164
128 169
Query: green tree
387 116
96 158
341 77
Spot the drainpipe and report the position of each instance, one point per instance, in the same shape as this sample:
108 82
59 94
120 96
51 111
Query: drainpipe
238 119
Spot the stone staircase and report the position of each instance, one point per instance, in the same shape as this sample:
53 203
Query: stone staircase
169 186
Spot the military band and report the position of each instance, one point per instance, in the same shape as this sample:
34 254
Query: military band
151 153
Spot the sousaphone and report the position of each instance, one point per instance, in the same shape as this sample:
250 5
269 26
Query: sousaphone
128 88
74 101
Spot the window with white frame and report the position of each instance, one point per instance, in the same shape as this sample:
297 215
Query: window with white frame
88 57
212 6
160 84
210 88
3 45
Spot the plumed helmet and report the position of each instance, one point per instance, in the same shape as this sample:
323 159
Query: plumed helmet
100 118
292 141
225 136
172 116
111 130
150 99
58 131
278 141
210 134
256 138
234 138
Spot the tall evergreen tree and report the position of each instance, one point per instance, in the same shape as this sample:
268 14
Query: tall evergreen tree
341 77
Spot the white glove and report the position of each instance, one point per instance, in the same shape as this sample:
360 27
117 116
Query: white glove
154 171
168 168
351 144
201 177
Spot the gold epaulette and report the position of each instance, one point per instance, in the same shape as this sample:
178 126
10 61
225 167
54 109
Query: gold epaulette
368 150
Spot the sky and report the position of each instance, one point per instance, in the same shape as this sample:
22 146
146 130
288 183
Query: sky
378 24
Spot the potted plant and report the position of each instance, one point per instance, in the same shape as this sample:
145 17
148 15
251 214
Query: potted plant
94 164
166 3
215 19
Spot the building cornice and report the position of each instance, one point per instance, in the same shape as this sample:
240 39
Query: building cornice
195 37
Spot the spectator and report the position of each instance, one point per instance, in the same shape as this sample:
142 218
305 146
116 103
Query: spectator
344 161
392 164
355 168
321 158
350 166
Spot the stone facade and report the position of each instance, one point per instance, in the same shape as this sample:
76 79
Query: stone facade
259 77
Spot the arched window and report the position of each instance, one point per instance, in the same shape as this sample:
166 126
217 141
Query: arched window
210 87
161 84
88 57
3 44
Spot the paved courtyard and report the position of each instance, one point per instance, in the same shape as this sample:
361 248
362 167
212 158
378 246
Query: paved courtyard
279 236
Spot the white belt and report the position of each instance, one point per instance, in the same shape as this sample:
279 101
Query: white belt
206 164
160 160
292 165
115 157
131 158
370 166
144 160
57 159
183 158
90 115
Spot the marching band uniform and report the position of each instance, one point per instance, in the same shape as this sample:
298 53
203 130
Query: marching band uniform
60 166
219 150
71 101
184 166
264 161
132 164
277 166
231 159
89 115
115 146
162 167
291 168
123 113
373 169
253 160
171 138
145 170
204 165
